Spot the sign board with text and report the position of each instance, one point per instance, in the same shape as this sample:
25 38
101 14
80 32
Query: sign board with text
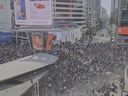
123 30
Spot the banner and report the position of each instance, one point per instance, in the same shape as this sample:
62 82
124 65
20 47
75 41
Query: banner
33 12
37 40
49 42
125 4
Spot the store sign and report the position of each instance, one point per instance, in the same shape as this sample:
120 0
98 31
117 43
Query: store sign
66 25
49 42
1 6
123 30
33 12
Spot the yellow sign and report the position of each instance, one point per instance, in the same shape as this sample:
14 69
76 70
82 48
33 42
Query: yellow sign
110 54
82 52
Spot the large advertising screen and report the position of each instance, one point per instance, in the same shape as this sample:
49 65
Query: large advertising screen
37 40
32 12
123 30
49 42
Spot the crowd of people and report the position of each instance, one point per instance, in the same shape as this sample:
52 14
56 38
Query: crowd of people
79 64
12 52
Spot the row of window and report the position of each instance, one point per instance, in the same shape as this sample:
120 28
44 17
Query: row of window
68 15
67 10
70 1
70 6
69 20
125 40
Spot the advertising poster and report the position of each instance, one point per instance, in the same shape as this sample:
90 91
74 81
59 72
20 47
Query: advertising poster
37 40
125 4
20 12
49 42
32 12
58 35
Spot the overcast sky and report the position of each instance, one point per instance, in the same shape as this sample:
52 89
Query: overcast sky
106 4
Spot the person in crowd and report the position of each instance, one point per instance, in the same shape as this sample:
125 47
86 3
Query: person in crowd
12 52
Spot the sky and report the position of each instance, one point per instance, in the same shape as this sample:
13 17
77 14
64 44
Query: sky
106 4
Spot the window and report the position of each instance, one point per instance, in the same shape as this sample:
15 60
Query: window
119 40
125 40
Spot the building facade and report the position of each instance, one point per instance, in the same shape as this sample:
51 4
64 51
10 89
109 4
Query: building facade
93 11
121 35
103 15
64 12
69 11
114 11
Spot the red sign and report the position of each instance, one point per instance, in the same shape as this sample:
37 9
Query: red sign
49 42
1 6
66 25
123 30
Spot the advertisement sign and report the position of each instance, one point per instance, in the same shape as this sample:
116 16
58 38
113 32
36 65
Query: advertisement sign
49 42
58 35
37 40
123 30
5 38
32 12
125 4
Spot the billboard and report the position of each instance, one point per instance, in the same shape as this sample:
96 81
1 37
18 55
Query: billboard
32 12
37 41
125 4
123 30
58 35
49 42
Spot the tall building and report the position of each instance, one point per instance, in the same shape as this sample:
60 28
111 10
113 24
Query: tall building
121 32
69 11
93 10
103 14
114 11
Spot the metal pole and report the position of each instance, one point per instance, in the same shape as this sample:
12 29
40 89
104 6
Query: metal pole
29 41
60 45
38 92
121 89
16 37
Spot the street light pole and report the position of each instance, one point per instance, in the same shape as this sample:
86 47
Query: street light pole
60 45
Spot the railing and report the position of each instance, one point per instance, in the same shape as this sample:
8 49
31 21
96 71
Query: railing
37 88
